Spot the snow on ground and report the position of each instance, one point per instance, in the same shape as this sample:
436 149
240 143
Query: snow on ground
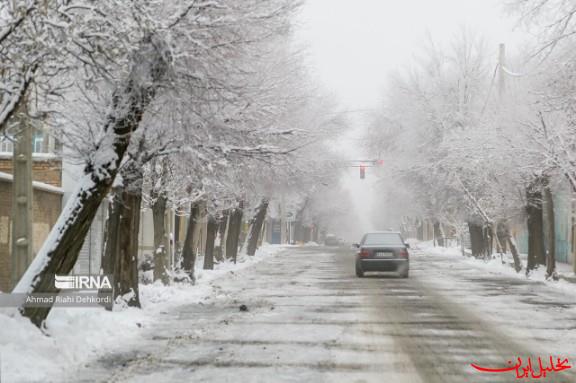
317 323
310 319
75 335
503 266
537 312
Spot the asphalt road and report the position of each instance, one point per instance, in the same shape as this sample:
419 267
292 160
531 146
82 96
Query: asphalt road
310 319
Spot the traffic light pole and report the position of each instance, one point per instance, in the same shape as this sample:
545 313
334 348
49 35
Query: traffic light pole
362 164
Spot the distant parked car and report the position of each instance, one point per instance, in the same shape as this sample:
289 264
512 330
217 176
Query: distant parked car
382 251
331 240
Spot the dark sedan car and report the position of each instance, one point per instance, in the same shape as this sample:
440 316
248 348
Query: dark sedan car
382 251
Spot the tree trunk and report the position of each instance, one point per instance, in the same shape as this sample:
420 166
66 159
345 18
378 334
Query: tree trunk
501 235
160 239
489 238
112 225
126 205
188 252
438 234
231 244
242 231
506 237
211 231
60 250
299 229
477 239
233 236
550 233
535 222
222 227
256 227
420 230
177 220
316 232
110 243
299 232
515 254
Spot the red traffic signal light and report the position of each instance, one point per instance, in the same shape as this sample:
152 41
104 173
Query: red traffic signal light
380 162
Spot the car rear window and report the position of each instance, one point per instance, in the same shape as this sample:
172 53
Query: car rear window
383 239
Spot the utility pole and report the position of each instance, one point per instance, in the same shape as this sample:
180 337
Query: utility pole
22 199
501 73
282 220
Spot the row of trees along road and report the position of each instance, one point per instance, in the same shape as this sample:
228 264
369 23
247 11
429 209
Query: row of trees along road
486 145
185 105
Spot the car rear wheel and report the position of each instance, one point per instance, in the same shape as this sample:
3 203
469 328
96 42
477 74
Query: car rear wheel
359 272
404 274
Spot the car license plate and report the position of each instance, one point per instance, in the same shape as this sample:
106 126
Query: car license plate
382 254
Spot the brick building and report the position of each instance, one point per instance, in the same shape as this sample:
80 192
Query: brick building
47 205
46 169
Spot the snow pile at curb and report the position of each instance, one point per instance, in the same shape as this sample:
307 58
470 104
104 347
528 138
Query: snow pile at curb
496 266
76 335
429 248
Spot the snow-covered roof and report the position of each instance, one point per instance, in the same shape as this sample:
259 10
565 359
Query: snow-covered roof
35 184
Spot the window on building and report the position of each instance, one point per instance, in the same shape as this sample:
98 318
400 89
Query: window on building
38 143
6 145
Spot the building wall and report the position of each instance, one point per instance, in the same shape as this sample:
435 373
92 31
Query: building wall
273 231
46 209
47 170
146 235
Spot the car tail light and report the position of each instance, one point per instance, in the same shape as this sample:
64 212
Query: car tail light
404 253
365 253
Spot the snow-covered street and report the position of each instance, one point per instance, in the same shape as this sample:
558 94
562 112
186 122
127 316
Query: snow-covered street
309 319
211 191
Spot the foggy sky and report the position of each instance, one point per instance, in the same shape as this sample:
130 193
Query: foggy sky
353 46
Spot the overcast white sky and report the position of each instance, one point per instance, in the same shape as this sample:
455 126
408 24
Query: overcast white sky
354 44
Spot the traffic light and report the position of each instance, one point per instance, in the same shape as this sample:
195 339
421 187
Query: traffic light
362 172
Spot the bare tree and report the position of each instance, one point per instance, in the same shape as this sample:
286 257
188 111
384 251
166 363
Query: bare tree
149 66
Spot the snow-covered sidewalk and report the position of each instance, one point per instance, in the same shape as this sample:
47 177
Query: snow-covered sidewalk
566 282
76 335
536 312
